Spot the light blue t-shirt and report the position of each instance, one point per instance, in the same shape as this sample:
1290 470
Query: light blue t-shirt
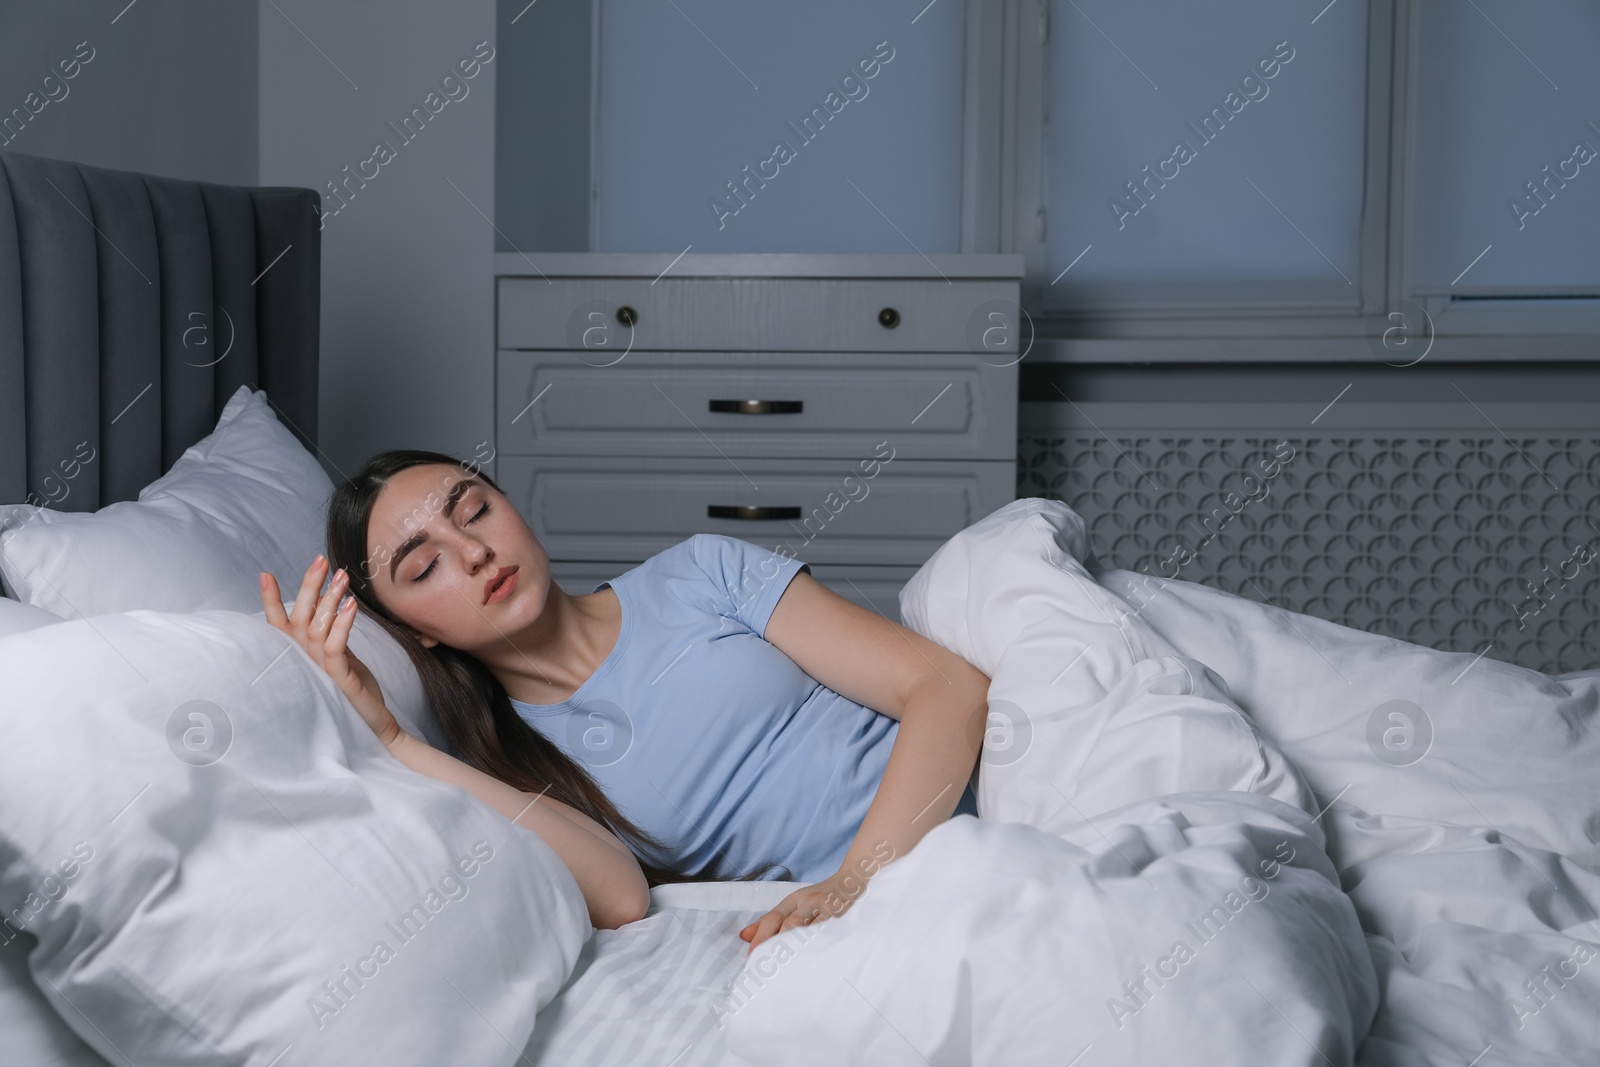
706 735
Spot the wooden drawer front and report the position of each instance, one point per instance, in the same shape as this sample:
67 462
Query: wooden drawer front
590 508
874 588
938 406
765 314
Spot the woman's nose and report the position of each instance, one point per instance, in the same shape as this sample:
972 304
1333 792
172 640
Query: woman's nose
476 552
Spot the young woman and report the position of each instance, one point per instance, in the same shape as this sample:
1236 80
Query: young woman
734 707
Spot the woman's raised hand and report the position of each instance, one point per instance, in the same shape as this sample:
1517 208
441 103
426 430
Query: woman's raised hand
321 627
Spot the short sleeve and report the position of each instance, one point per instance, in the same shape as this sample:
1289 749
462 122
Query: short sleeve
752 578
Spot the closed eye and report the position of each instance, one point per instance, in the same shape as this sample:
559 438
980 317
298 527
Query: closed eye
481 512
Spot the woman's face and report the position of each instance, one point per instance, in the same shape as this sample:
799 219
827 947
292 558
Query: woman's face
436 539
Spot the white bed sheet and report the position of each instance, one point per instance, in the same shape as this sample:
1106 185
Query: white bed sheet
656 991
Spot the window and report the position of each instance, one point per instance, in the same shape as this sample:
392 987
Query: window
1257 180
1312 180
827 126
1504 185
1240 172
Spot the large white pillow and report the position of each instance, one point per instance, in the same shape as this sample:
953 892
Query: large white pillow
16 617
30 1030
246 498
29 1027
212 846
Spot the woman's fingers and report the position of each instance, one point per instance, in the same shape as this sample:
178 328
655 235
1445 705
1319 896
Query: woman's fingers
798 917
305 601
770 923
272 600
312 621
803 907
327 606
344 617
321 625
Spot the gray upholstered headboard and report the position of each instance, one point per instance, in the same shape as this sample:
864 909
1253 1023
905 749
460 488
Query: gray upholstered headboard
131 308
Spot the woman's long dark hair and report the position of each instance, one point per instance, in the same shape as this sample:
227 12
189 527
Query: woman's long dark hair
470 704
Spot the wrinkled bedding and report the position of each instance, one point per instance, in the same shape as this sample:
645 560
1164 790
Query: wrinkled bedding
1211 832
1147 883
1463 813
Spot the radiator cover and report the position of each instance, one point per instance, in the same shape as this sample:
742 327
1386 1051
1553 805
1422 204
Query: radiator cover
1464 540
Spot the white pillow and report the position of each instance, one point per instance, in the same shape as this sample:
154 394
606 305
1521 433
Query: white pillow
29 1026
15 617
222 835
30 1030
246 498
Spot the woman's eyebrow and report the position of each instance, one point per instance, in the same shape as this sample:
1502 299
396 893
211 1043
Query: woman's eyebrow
421 536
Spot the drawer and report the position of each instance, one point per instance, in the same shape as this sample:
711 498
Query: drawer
874 588
931 406
867 511
765 314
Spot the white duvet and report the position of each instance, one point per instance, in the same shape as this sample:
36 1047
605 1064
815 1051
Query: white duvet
1465 824
1211 833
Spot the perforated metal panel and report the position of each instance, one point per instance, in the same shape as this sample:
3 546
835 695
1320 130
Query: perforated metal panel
1471 542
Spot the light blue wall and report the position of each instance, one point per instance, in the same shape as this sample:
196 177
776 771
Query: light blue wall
693 92
170 88
542 126
407 262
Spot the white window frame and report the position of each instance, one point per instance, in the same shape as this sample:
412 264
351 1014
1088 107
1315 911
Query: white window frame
1005 209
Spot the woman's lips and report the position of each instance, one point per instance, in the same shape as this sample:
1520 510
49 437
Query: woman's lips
505 588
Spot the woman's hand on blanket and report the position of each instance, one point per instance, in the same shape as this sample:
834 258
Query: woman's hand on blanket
322 628
806 906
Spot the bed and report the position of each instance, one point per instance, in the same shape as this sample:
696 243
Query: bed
1371 852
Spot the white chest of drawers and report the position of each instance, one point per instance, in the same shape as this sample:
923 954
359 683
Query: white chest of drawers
858 409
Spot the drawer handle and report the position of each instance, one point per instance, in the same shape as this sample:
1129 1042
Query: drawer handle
627 316
888 318
750 513
758 407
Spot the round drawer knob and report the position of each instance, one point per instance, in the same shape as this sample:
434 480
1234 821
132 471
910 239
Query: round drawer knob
888 318
626 315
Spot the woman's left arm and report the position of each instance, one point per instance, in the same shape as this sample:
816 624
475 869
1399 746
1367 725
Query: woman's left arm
941 701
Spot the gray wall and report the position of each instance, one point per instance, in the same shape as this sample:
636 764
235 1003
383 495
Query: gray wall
170 87
407 261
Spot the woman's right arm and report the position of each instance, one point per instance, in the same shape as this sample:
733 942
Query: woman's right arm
613 883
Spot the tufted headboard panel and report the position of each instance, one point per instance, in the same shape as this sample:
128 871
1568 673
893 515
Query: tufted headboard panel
131 308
